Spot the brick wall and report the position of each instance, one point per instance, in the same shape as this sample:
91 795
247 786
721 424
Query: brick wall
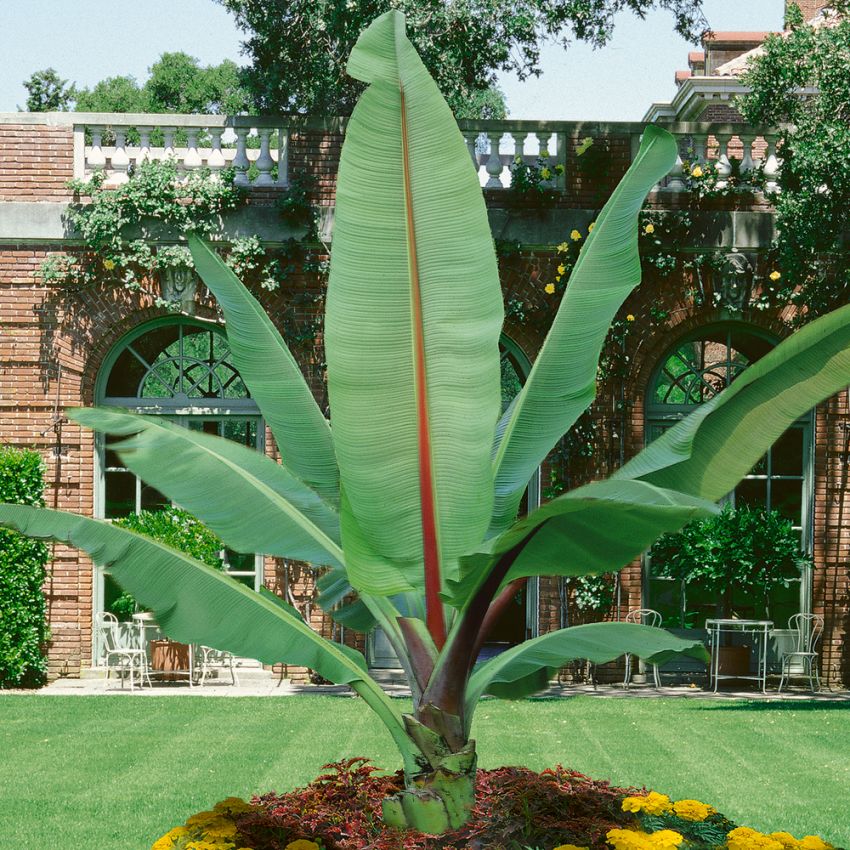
35 162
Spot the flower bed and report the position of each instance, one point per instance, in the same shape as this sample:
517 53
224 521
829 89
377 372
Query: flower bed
516 809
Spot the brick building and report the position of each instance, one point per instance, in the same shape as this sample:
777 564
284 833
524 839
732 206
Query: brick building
693 333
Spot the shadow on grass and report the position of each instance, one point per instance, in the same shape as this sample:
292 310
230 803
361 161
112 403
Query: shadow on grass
785 705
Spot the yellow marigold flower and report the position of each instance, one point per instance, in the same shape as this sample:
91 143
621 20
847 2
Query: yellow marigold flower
744 838
692 810
665 839
649 228
561 269
632 804
628 839
109 265
232 805
630 317
775 275
223 830
575 236
562 247
301 844
653 803
545 173
786 840
696 171
813 842
549 289
570 847
591 226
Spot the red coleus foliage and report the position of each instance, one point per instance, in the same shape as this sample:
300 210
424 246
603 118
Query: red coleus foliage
516 808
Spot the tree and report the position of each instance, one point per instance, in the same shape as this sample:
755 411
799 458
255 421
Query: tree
411 500
48 92
802 81
298 48
177 83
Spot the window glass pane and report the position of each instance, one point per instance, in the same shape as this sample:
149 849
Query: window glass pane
152 499
787 498
752 493
120 494
788 453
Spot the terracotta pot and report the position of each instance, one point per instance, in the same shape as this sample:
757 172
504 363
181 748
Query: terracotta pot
169 655
734 661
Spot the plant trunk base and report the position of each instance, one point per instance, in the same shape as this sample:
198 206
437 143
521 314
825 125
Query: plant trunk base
439 800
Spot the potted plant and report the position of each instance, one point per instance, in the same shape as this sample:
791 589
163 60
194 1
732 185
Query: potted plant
740 554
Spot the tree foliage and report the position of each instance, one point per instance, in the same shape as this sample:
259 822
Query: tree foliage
298 50
802 80
48 92
177 82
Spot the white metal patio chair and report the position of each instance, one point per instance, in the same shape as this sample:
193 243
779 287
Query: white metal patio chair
808 629
208 657
646 617
122 655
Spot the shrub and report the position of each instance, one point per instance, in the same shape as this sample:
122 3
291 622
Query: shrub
23 623
176 528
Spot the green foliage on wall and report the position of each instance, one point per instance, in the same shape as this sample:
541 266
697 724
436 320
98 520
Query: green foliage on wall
23 622
812 251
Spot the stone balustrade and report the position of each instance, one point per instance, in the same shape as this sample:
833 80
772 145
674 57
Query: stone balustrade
255 147
258 148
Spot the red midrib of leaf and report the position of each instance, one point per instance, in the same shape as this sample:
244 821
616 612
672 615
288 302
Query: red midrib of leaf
431 551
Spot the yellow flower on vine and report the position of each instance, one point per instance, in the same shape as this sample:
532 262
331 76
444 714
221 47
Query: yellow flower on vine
696 171
630 317
109 265
518 160
650 228
561 269
545 173
575 236
562 247
775 275
591 226
549 289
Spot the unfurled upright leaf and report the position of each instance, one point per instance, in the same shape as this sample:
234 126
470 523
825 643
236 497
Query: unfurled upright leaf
562 383
413 317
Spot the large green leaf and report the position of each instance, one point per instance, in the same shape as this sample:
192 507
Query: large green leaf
593 529
274 378
712 449
195 603
414 314
597 642
562 383
277 514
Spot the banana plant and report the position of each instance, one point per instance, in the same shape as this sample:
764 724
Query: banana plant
409 503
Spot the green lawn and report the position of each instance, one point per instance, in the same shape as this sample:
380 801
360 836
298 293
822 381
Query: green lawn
113 773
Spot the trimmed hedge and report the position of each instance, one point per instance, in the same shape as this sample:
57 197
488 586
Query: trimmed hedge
23 622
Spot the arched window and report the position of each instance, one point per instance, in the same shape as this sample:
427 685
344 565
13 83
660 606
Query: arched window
697 368
182 370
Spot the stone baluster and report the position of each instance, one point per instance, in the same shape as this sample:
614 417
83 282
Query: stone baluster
283 156
144 145
519 146
471 138
494 162
241 162
561 159
96 160
119 162
747 163
216 160
771 166
543 156
168 134
192 159
676 176
723 168
264 161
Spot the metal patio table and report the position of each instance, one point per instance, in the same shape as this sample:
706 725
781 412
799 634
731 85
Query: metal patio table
759 629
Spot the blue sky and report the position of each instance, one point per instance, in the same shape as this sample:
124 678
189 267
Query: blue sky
87 40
